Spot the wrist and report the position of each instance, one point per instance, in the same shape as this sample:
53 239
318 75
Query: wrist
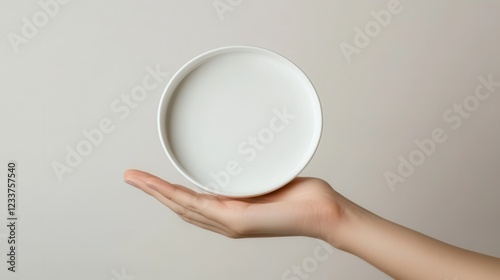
351 221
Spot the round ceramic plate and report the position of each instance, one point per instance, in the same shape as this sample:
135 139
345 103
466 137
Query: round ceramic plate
239 121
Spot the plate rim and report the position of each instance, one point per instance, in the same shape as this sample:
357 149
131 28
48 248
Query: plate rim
198 60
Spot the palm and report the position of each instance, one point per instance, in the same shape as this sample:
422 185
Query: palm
291 210
306 206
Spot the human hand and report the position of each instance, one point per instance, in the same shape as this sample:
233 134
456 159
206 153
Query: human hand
310 207
304 207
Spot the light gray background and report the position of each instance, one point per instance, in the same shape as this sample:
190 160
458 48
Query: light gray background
93 226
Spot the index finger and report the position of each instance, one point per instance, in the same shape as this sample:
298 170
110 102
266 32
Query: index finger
203 204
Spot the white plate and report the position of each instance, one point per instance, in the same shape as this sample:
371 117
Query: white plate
239 121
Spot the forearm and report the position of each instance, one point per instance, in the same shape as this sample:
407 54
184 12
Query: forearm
406 254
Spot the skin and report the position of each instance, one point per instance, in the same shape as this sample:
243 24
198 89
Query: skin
311 207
